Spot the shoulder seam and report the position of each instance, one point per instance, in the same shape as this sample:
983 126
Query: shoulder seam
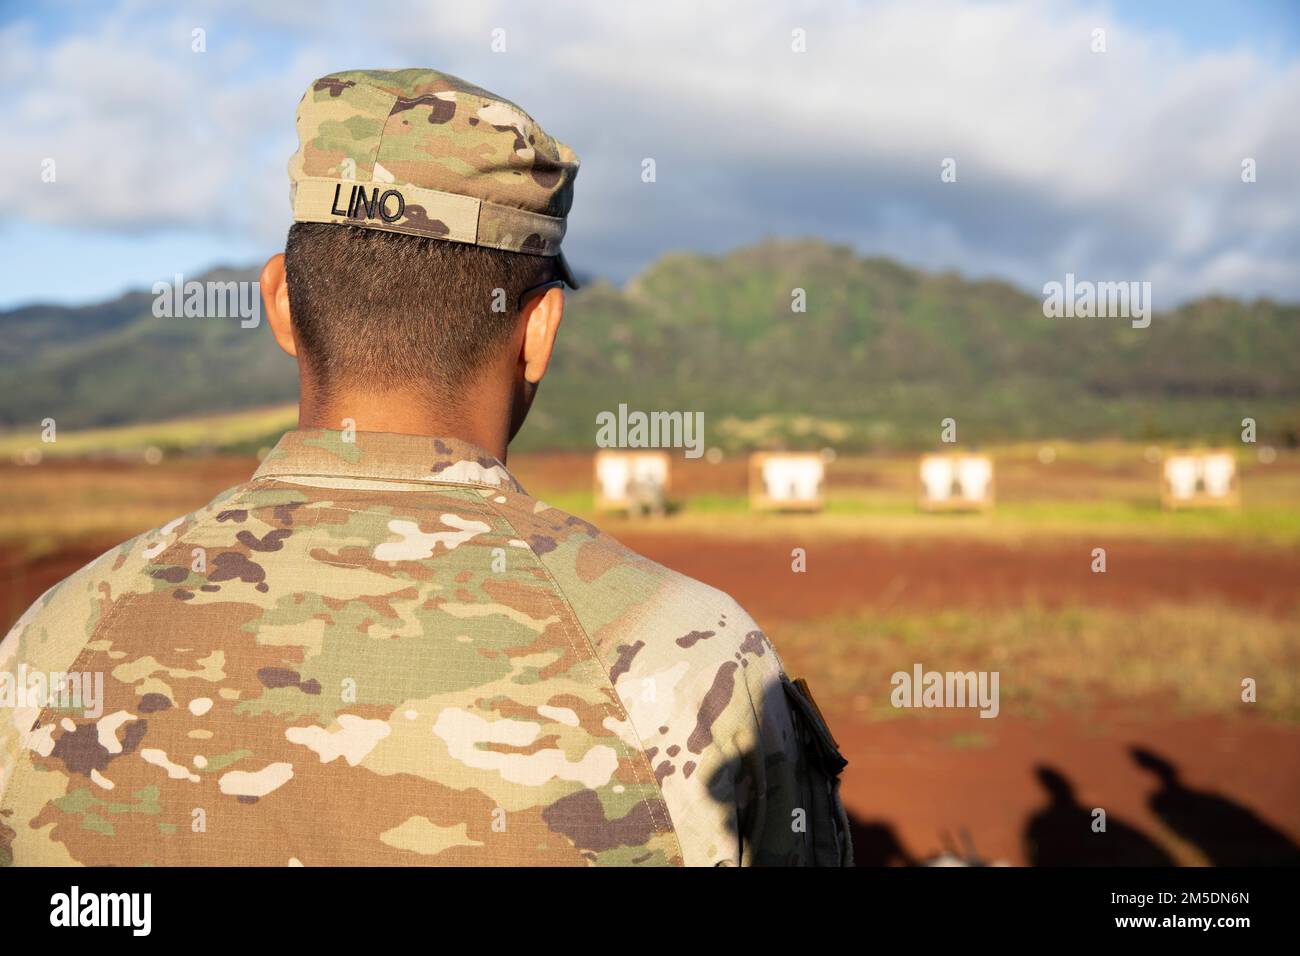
572 616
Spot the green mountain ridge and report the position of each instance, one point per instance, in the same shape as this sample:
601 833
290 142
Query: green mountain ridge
882 354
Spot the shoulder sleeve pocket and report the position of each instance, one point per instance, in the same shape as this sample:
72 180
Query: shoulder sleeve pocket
828 825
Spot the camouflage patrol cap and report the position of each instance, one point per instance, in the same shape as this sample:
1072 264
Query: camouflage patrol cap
425 153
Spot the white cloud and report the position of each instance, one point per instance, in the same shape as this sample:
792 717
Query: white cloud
1123 164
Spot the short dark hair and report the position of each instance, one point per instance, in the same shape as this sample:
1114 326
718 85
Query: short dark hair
390 311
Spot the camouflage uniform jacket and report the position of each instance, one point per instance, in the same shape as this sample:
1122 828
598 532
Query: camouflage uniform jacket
384 652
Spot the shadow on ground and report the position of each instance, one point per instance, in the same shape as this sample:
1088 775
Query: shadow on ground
1061 833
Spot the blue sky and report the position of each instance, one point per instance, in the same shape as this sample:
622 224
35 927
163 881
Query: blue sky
1122 164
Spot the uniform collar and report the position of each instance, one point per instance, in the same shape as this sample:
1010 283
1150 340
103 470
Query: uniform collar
438 461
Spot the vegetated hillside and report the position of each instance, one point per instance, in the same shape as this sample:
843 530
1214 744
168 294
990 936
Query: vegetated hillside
881 355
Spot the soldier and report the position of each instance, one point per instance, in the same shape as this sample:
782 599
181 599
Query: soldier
380 650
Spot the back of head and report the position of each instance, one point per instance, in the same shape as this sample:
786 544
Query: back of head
386 312
424 207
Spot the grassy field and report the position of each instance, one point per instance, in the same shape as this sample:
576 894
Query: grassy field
245 431
104 482
1109 489
1170 658
66 499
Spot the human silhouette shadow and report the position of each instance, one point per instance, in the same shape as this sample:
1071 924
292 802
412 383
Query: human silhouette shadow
876 844
1226 832
1061 834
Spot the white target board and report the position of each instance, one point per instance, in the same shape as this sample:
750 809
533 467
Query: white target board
1200 479
786 481
623 475
956 482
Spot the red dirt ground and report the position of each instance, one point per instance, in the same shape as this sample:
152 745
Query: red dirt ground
843 576
906 784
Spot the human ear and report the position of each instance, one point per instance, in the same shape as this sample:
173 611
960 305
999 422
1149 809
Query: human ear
541 316
275 298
